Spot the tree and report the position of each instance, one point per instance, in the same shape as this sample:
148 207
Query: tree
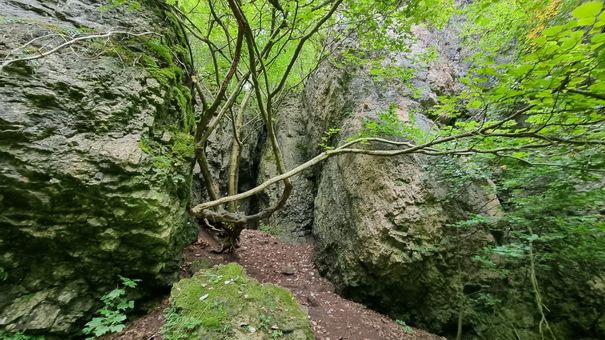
542 108
255 63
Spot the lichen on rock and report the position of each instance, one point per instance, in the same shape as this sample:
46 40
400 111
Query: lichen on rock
81 201
224 303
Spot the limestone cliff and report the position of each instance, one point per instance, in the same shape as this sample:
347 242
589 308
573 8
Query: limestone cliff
94 157
384 228
380 225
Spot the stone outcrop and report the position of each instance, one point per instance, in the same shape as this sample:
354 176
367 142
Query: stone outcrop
383 237
94 167
224 303
380 225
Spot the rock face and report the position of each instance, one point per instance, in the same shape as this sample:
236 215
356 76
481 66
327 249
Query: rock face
379 224
224 303
94 177
382 235
295 221
343 98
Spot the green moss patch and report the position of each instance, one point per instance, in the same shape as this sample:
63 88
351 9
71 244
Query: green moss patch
161 50
224 303
177 151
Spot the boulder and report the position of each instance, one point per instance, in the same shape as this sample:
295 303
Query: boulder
383 235
94 159
224 303
381 226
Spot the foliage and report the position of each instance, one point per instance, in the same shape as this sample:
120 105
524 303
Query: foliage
407 329
555 86
18 336
326 138
458 174
113 313
178 327
273 230
389 124
552 228
548 188
558 211
176 152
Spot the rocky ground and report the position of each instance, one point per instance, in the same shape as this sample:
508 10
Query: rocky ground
268 259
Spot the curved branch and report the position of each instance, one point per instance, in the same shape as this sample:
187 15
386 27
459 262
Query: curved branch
71 42
198 209
425 148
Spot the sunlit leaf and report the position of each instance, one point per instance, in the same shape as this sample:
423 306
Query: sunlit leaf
588 9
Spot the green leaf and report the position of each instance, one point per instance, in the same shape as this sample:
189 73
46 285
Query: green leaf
588 9
123 305
103 329
552 31
115 293
597 38
589 21
475 103
568 43
521 70
117 328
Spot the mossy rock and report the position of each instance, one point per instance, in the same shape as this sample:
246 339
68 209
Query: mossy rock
224 303
200 264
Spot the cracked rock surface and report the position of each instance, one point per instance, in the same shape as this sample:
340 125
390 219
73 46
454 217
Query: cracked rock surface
80 201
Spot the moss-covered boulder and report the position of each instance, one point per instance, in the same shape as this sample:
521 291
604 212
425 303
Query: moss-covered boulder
95 159
224 303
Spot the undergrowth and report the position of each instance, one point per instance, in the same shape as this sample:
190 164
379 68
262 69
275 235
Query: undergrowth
113 313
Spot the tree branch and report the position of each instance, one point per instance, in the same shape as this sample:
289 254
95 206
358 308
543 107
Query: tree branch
71 42
588 94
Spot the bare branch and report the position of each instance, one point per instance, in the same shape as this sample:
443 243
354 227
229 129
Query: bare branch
71 42
546 138
425 148
208 114
301 43
265 112
530 163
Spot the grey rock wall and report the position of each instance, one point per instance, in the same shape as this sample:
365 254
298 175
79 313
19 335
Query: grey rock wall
86 191
336 97
379 224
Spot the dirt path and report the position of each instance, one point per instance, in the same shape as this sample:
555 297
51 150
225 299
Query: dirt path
268 259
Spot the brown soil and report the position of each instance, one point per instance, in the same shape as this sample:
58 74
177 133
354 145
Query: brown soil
268 259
